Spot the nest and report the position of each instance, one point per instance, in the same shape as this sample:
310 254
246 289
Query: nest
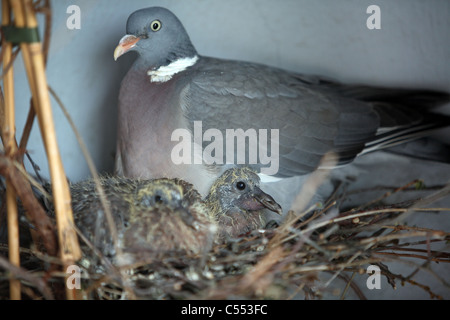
303 257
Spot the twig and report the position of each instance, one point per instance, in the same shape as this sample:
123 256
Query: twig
20 273
388 194
35 214
352 258
104 201
351 284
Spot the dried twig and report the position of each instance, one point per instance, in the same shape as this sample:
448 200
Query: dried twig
34 211
20 273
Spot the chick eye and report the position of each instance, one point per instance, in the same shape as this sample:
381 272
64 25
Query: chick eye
155 25
241 185
158 199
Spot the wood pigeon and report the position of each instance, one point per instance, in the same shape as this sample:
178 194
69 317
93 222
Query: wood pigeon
189 116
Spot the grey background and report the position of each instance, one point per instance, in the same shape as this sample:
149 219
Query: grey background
325 37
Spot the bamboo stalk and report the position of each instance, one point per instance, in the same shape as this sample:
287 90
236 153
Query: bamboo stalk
34 62
27 130
10 148
45 47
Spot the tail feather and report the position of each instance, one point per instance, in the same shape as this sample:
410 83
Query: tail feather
405 115
411 98
424 148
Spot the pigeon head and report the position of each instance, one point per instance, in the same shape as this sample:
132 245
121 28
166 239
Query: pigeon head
239 188
158 37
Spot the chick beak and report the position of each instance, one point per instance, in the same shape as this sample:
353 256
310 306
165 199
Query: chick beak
125 44
266 200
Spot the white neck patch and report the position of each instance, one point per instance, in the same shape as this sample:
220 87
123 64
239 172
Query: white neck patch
165 73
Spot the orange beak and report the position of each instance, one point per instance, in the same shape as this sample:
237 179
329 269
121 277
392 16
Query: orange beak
125 44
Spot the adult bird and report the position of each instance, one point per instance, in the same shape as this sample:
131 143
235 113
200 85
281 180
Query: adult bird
172 95
237 202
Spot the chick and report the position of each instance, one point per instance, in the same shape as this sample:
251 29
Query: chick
237 203
89 213
151 216
168 215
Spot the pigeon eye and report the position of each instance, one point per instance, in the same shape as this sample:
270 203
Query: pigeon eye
155 25
241 185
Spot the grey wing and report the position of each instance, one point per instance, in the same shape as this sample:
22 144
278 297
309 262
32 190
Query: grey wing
309 122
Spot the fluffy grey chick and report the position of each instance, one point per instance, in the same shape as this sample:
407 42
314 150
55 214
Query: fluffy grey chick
168 215
236 201
151 216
